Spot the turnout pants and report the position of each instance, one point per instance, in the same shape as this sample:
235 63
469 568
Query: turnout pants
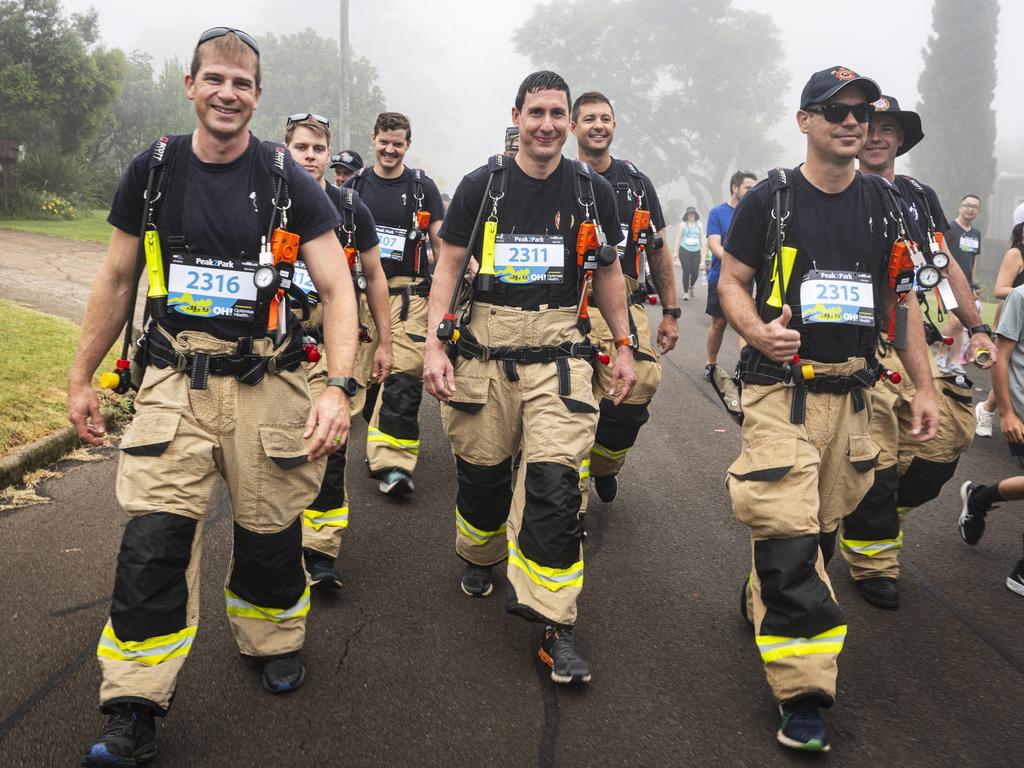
909 473
393 437
791 485
547 412
180 440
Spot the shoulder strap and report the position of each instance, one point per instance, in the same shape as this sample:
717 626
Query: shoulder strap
272 171
348 211
417 186
634 176
922 199
164 150
780 196
497 178
359 178
584 187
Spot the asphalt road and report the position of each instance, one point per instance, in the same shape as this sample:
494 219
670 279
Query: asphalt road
404 670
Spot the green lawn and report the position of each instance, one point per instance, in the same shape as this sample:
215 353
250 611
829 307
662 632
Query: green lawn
988 310
91 226
38 350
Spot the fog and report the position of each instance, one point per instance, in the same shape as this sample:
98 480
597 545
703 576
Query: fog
450 64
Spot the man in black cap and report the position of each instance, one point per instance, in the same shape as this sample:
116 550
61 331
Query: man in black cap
345 164
908 473
811 331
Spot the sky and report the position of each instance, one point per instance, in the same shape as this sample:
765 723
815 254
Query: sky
450 64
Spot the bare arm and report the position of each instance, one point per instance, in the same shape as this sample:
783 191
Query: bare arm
438 374
773 339
435 241
663 274
105 316
924 409
715 244
1008 271
966 311
380 309
611 297
1009 422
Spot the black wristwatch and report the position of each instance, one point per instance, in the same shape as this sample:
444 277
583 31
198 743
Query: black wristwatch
675 312
346 384
983 328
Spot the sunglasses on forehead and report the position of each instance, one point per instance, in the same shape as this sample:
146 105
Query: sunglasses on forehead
299 117
837 113
214 32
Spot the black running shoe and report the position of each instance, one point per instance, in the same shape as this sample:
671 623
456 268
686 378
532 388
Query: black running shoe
972 514
477 580
321 569
709 370
396 482
880 592
558 651
128 739
606 486
802 728
1015 581
283 674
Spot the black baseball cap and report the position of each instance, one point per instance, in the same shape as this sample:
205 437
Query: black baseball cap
347 158
827 83
909 121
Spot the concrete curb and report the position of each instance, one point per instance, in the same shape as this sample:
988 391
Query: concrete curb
42 452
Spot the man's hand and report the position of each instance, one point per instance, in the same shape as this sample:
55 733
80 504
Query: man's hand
84 413
438 373
623 372
1012 428
328 423
776 340
383 362
924 415
981 341
668 334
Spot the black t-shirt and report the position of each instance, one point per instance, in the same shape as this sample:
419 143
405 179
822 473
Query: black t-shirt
531 216
222 227
829 232
392 203
917 222
626 187
965 245
365 235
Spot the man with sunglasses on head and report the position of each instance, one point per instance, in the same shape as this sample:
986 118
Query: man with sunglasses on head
222 393
324 520
908 473
811 330
406 204
345 165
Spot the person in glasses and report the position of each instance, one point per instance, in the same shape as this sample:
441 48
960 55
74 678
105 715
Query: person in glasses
964 241
345 164
806 456
401 199
308 138
222 394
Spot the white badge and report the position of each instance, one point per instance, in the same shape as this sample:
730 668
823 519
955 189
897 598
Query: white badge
969 244
837 296
302 279
392 242
201 286
524 259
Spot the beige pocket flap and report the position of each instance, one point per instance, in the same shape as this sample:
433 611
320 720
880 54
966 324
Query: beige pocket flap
765 460
470 393
284 446
863 452
150 433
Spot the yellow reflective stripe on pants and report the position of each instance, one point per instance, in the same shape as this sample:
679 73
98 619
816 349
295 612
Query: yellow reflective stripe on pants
585 469
600 450
151 651
332 518
872 548
549 578
773 647
470 531
238 607
374 435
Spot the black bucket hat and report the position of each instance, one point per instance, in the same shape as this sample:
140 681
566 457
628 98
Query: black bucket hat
689 210
909 121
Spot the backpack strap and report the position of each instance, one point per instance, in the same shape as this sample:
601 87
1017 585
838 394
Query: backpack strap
359 178
635 179
780 195
348 215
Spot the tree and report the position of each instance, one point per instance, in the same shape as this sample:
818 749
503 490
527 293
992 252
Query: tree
694 95
957 86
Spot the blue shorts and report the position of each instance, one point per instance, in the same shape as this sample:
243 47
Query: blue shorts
714 308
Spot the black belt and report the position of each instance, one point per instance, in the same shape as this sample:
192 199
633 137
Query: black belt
468 347
405 291
246 367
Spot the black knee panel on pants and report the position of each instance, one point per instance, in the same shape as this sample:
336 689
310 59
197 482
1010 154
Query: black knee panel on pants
797 602
400 408
372 392
268 567
619 425
875 518
485 493
551 531
827 545
923 481
150 594
332 487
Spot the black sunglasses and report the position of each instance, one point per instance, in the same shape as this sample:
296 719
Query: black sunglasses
214 32
837 113
298 118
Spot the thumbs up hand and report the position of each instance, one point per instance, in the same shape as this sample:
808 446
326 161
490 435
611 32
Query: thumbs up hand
776 340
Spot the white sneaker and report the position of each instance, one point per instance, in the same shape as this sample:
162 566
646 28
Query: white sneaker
983 427
942 361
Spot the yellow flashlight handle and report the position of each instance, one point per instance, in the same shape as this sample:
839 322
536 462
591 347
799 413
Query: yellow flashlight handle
487 252
154 265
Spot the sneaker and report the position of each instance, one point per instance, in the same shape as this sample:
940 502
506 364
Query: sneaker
983 427
956 368
709 369
606 486
972 516
477 580
802 728
1015 581
880 592
692 296
128 739
942 361
396 482
686 297
558 651
283 674
321 569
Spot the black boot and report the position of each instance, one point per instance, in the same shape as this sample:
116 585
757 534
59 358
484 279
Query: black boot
283 674
881 592
128 739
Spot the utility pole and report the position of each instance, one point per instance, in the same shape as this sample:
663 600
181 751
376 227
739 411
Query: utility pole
346 77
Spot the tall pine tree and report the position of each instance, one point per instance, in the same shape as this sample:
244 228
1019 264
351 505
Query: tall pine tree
957 86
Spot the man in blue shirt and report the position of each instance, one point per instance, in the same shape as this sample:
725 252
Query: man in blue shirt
718 226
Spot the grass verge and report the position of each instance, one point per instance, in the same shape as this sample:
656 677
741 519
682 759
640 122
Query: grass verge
91 226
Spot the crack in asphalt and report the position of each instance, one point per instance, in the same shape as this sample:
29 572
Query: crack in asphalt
9 722
363 624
